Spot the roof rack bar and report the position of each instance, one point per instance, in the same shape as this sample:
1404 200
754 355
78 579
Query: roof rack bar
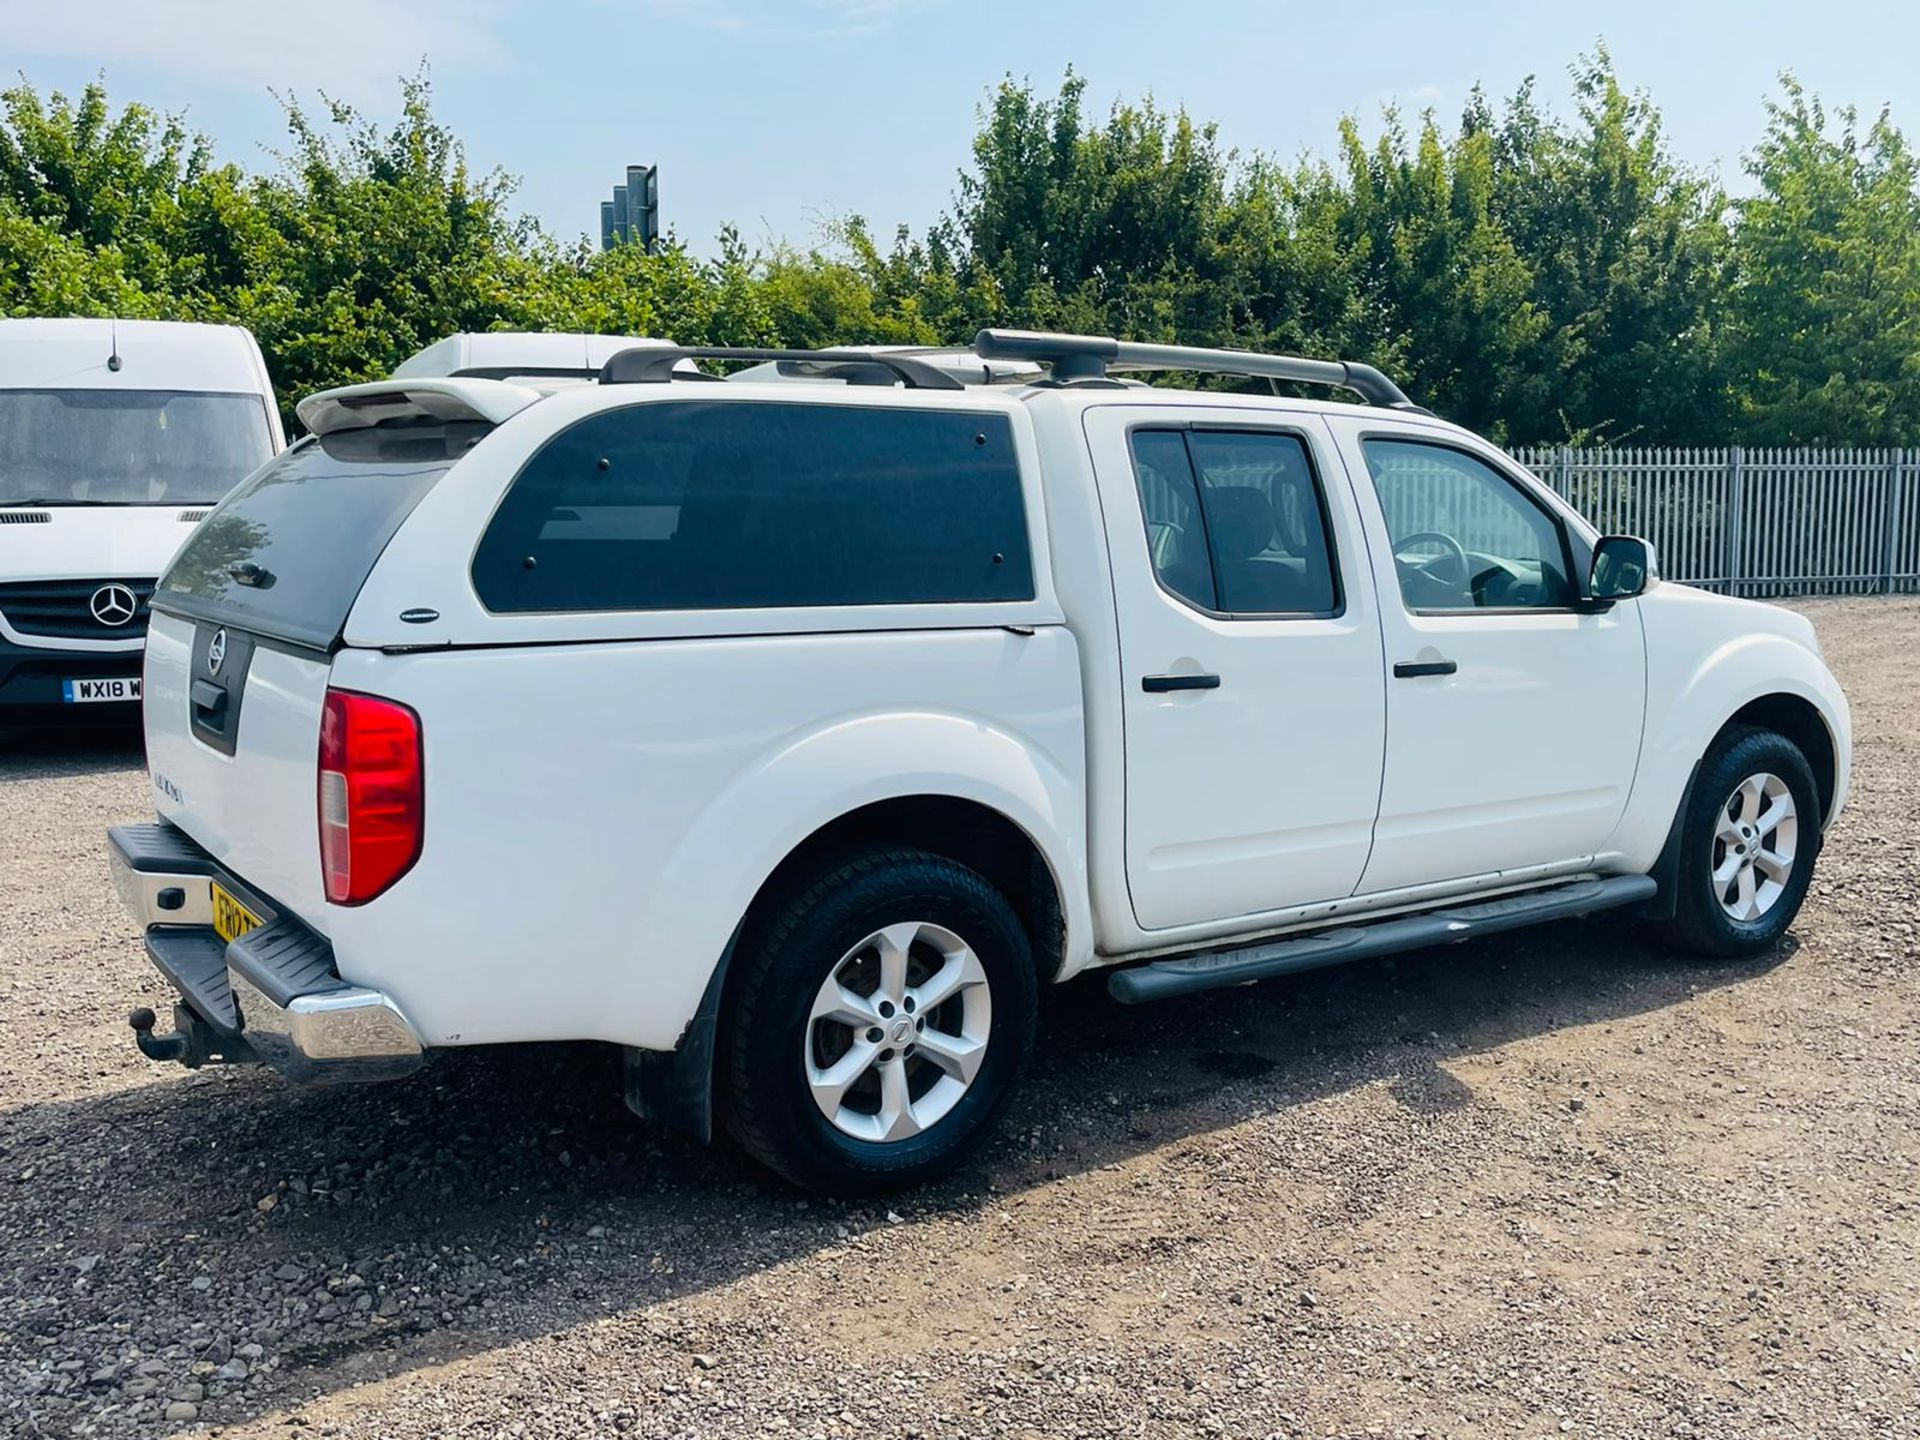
525 372
653 364
1091 357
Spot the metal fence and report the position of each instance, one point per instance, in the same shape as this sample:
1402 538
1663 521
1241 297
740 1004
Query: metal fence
1754 522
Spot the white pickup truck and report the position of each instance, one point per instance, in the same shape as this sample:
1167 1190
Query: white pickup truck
790 733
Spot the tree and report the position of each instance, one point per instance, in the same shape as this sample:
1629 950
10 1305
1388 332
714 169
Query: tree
1111 227
104 181
1826 295
380 242
1442 273
1628 253
1536 278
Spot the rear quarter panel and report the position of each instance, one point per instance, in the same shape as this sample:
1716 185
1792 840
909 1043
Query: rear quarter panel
599 816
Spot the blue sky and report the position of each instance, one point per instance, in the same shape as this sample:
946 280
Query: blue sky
777 114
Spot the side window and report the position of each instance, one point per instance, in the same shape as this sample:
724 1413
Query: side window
731 504
1170 500
1464 536
1236 522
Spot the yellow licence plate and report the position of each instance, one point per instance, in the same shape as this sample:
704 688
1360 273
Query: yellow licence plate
231 919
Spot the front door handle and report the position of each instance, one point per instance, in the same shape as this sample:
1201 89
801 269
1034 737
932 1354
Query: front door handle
1158 684
1408 669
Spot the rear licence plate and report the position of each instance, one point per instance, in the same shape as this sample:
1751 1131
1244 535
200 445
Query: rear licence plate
231 919
90 692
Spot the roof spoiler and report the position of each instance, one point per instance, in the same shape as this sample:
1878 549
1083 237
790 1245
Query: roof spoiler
358 407
1091 357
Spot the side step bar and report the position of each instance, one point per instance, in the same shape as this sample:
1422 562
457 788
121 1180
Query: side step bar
1185 974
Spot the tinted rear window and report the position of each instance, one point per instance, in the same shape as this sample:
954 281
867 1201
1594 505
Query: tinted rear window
289 550
736 504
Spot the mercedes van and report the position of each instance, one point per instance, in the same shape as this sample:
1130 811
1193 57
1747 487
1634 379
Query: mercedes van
116 438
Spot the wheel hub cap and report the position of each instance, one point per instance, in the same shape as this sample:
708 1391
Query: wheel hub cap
897 1032
1754 844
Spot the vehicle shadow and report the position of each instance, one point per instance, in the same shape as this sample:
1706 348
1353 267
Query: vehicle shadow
503 1196
57 754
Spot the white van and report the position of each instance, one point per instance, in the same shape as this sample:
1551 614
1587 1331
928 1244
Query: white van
116 438
541 359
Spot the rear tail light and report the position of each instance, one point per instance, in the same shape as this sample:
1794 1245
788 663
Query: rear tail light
372 795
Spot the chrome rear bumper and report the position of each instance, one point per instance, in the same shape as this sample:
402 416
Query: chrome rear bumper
275 988
346 1034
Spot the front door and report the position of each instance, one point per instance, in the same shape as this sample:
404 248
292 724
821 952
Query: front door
1254 704
1513 714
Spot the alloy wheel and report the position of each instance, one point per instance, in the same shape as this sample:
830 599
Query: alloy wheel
1754 841
897 1032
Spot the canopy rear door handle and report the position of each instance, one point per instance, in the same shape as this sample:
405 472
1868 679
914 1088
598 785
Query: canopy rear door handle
208 698
1158 684
1409 669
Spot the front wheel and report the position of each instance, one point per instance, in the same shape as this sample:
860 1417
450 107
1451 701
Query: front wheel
1748 844
884 1008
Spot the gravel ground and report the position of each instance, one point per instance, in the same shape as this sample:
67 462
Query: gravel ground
1550 1183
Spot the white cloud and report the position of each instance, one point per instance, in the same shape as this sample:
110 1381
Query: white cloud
353 49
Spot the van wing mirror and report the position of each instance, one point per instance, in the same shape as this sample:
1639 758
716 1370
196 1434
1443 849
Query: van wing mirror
1623 567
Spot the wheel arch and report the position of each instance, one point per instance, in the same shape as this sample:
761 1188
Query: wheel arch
1799 720
811 782
964 830
1787 713
1717 669
677 1087
947 784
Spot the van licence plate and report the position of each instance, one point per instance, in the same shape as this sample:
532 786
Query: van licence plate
231 919
89 692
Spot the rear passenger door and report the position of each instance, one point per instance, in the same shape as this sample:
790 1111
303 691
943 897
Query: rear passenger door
1251 661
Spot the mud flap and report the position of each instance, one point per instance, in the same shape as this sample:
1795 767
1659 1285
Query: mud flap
675 1087
1666 869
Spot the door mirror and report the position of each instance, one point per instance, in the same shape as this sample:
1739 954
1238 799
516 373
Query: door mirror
1623 567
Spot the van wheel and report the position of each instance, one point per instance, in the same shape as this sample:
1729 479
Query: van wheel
878 1022
1747 846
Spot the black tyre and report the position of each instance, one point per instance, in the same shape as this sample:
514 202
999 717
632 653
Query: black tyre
876 1022
1747 846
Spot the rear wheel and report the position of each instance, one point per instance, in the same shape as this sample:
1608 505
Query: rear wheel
882 1013
1748 844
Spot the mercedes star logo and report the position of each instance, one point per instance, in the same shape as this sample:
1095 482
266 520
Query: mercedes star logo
217 651
113 605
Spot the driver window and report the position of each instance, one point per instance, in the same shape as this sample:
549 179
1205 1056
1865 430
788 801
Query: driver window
1464 537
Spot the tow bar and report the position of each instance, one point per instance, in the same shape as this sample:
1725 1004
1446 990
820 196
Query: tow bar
192 1042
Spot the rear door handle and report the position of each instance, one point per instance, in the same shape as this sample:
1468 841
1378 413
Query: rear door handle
1157 684
208 698
1408 669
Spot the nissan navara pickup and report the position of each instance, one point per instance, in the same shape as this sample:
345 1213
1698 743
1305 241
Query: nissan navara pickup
790 732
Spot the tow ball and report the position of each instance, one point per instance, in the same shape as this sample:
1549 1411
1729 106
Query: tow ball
192 1042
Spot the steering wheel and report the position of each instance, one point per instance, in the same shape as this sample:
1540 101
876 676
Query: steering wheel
1455 552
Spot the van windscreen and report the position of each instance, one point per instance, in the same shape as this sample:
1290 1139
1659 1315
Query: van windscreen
127 447
285 555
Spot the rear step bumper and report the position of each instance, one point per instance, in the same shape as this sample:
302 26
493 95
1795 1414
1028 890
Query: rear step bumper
272 995
1185 974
